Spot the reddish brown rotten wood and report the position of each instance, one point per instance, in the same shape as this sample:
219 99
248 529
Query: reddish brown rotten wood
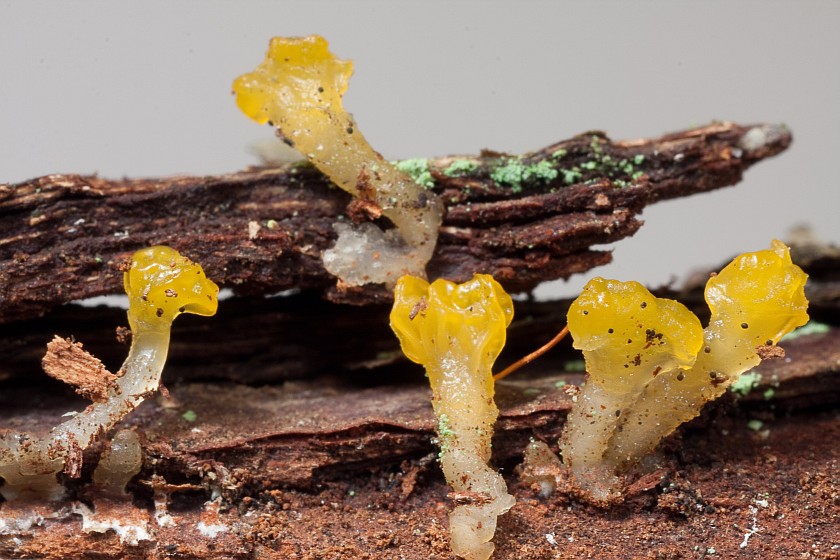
261 231
302 433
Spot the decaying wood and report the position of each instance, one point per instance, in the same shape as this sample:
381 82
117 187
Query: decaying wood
324 431
342 466
716 493
302 433
70 363
262 231
257 340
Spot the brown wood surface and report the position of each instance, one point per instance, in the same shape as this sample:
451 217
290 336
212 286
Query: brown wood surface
62 237
338 460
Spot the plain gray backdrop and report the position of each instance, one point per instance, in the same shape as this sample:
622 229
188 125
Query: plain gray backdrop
143 89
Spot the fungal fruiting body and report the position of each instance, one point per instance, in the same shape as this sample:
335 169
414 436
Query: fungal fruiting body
298 89
628 337
161 284
119 462
456 332
651 367
754 301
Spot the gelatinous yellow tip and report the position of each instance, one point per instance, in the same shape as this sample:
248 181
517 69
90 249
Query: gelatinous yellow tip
763 290
624 330
299 72
161 284
468 320
298 90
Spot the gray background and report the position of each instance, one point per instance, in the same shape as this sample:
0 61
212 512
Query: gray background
143 89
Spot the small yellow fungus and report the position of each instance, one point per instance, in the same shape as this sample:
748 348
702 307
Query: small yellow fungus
650 366
755 300
161 284
456 332
298 89
628 338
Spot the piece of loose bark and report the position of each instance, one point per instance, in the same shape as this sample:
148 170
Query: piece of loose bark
69 362
523 219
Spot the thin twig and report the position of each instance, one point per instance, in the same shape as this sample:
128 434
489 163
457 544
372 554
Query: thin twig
533 355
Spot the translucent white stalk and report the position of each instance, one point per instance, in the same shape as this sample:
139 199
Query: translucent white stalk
456 332
161 284
299 89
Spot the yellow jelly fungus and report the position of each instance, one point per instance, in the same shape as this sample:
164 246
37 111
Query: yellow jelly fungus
298 89
628 338
625 408
161 284
456 332
755 300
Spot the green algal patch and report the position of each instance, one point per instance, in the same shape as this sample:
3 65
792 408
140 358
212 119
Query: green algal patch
572 176
417 169
574 365
746 383
444 431
445 434
514 173
190 416
460 167
542 170
617 170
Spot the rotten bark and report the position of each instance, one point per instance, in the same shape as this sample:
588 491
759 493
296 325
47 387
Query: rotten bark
300 434
261 231
342 466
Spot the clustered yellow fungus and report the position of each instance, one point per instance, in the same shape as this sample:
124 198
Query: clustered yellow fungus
298 89
161 284
652 367
456 332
